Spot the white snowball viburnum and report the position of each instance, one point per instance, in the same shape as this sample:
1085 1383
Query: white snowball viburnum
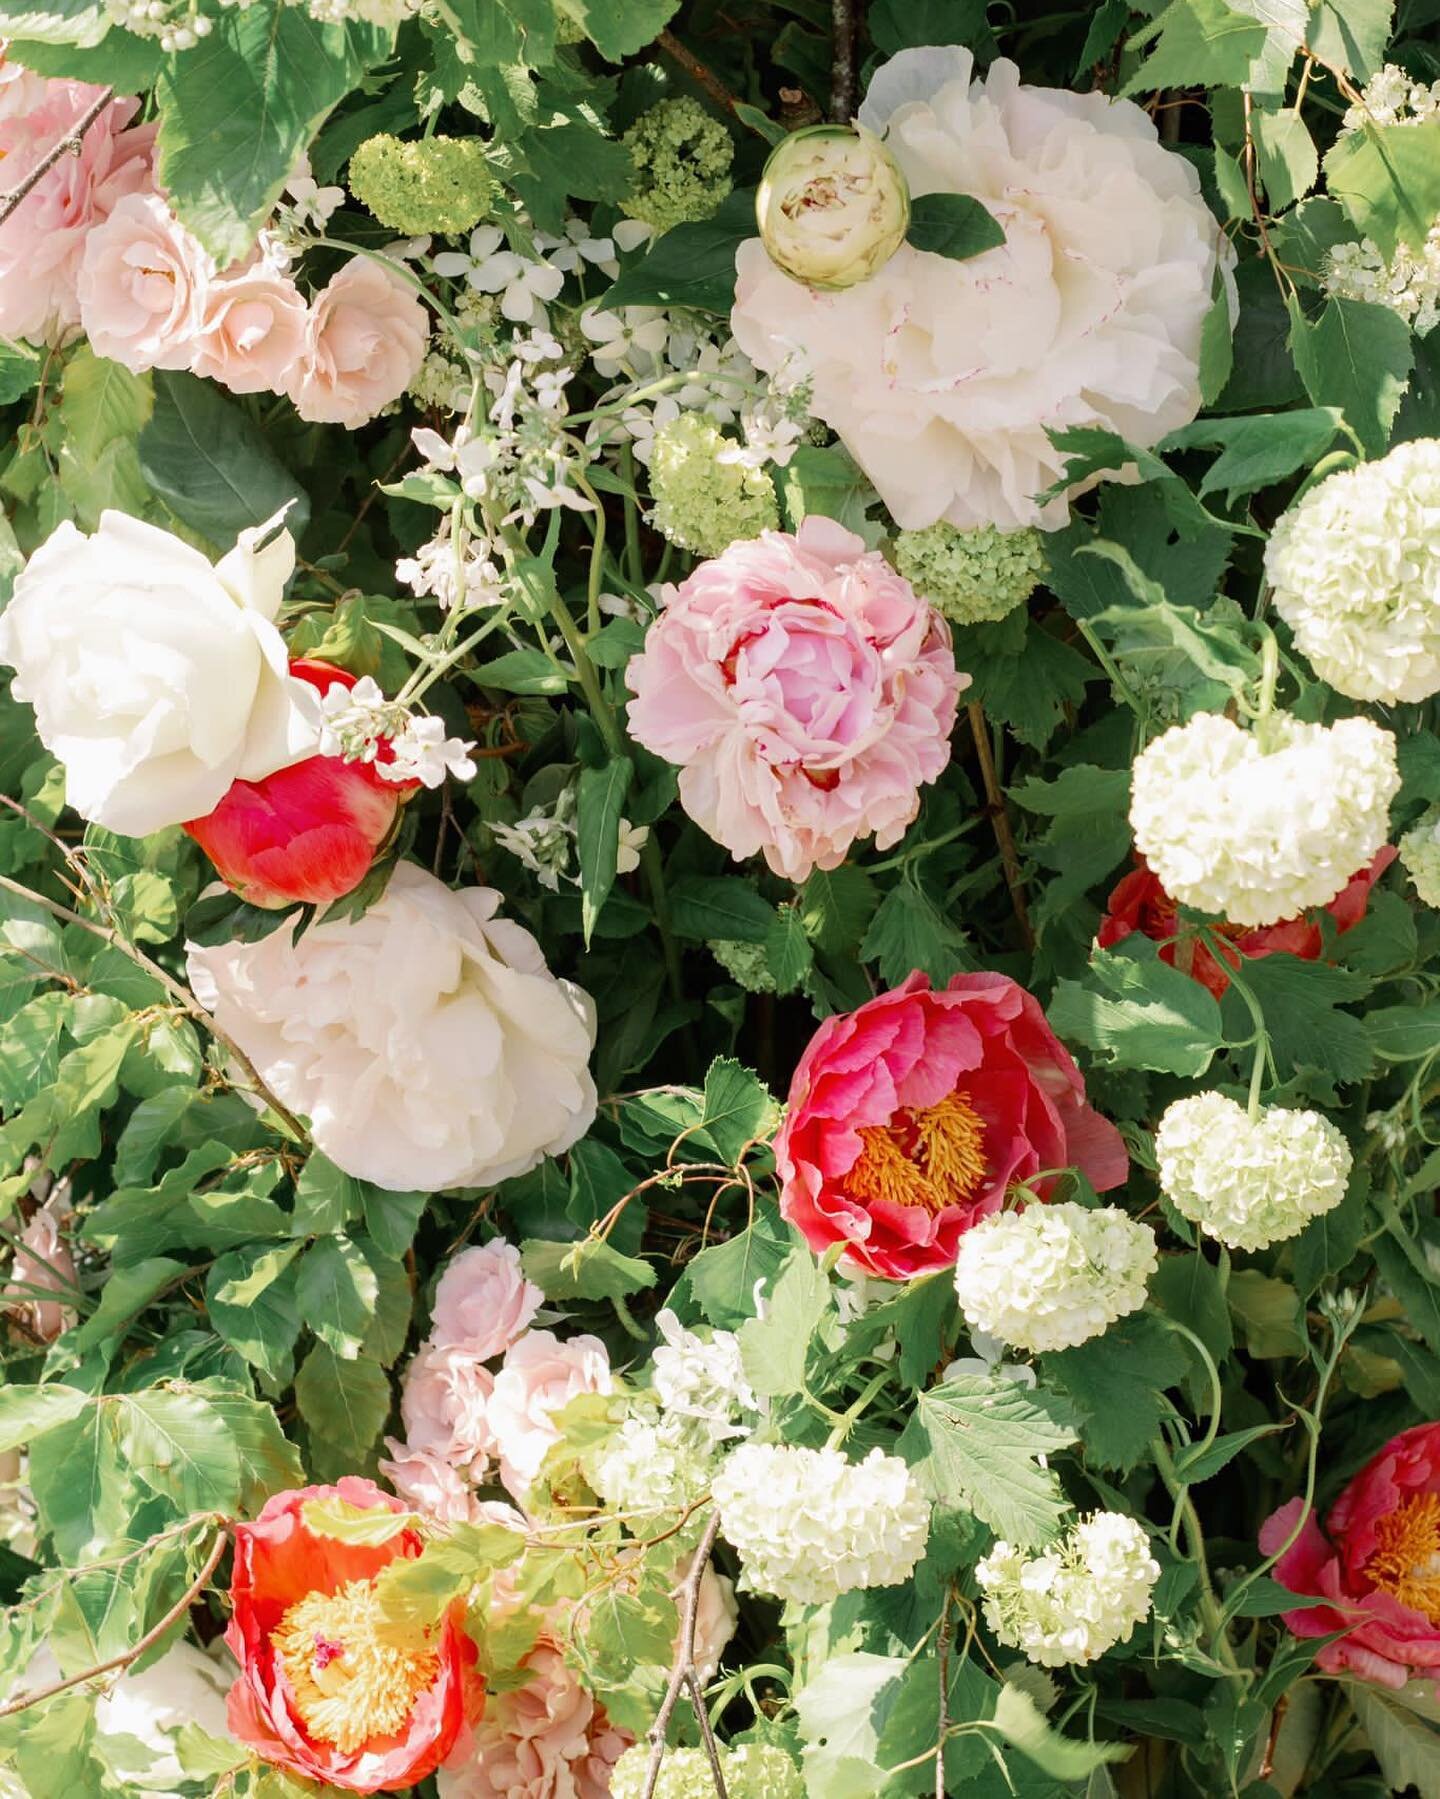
1420 856
750 1771
1258 826
809 1525
1073 1601
1053 1276
1355 568
652 1464
1249 1182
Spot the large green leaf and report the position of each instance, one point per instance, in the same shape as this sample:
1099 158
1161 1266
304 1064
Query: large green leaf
1357 357
1138 1012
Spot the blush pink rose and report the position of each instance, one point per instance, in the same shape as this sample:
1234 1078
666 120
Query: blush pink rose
540 1376
364 343
910 1119
252 330
42 1264
806 692
144 285
483 1301
431 1485
43 241
1375 1561
444 1404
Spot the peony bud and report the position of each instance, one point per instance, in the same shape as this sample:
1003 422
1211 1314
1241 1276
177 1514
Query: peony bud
308 832
833 205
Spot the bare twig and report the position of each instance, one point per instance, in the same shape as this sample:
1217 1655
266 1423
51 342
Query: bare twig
136 1650
707 1736
942 1656
844 79
1000 819
683 1667
700 73
69 145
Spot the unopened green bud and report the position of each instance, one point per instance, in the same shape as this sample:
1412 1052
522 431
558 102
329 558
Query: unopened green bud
975 576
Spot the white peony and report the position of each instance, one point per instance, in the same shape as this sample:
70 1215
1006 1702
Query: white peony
157 679
1077 1598
809 1525
185 1687
1053 1276
1355 566
942 377
1259 826
1249 1182
1420 856
426 1041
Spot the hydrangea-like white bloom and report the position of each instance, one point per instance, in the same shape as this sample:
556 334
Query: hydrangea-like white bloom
426 1041
942 377
810 1525
702 1378
1420 856
1073 1601
1356 571
1260 826
1053 1276
1249 1182
652 1464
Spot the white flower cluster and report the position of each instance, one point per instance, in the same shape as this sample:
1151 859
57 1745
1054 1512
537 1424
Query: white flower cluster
652 1463
1420 856
1249 1182
1053 1276
1071 1602
703 1379
1356 571
359 721
1393 96
545 842
1259 826
809 1524
711 376
452 572
751 1771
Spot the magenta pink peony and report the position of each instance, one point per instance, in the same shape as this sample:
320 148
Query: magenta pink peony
483 1301
143 287
364 343
805 690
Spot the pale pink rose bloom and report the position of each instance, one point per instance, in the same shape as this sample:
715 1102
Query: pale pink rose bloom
364 343
252 330
540 1377
716 1614
43 240
144 284
21 90
430 1485
483 1301
805 690
44 1262
443 1406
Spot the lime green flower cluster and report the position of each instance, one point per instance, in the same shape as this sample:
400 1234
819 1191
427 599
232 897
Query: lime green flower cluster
753 1771
974 576
682 163
744 963
702 503
439 185
1420 856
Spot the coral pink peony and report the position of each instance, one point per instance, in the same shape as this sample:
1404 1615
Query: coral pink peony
443 1407
1377 1560
1139 902
483 1301
364 343
805 690
328 1687
144 285
540 1377
307 832
911 1118
43 240
252 330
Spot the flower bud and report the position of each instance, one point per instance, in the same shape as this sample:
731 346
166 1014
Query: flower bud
308 832
833 205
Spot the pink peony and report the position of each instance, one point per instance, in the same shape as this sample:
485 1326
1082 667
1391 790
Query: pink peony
364 343
1378 1562
443 1406
540 1377
252 330
431 1485
483 1302
910 1119
805 690
144 285
42 1264
43 240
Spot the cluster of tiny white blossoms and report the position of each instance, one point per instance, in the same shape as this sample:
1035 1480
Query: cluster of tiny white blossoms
1052 1276
652 1463
703 370
546 842
1356 571
1072 1602
1249 1182
810 1525
702 1378
358 720
1420 856
1258 826
749 1770
1392 96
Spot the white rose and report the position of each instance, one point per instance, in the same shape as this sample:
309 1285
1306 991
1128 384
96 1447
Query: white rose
832 205
942 376
185 1686
157 679
426 1041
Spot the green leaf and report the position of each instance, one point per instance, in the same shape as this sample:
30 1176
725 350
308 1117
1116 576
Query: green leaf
269 1461
953 225
416 1590
347 1523
336 1290
123 1297
1024 675
100 402
1138 1012
691 265
788 954
619 31
1406 1747
723 1278
326 1198
250 1296
1116 1381
83 1485
1351 34
345 1404
1301 1001
120 60
1357 357
1020 1721
1201 43
909 932
522 671
1387 177
589 1269
1328 1243
774 1347
1268 1311
1405 1272
836 906
1188 1289
1404 1033
78 22
738 1110
26 1413
1262 448
1287 156
719 906
391 1218
1204 1464
19 364
600 800
178 1445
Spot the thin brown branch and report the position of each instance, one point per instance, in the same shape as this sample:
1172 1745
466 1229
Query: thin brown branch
136 1650
942 1656
1000 820
69 145
844 72
707 1736
683 1666
700 73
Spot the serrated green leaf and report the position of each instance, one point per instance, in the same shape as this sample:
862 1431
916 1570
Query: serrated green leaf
336 1290
1357 357
1117 1381
774 1347
589 1269
1135 1011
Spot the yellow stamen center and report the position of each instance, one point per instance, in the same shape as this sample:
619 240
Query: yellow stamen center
354 1676
1406 1561
932 1157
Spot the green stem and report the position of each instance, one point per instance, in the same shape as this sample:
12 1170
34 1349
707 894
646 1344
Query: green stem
1215 1620
634 561
848 1420
597 557
1108 663
654 866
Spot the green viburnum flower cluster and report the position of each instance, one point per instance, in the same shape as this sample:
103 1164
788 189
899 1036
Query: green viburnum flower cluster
744 963
682 161
439 185
753 1771
976 576
702 503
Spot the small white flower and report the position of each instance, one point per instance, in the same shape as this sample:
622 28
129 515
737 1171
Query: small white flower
524 286
541 842
422 752
988 1363
766 440
310 204
432 572
631 340
1076 1599
652 1464
577 247
629 234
